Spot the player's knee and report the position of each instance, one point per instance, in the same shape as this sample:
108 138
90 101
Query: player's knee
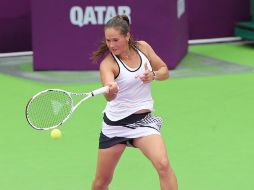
101 182
162 166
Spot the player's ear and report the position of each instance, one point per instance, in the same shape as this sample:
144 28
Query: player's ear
128 36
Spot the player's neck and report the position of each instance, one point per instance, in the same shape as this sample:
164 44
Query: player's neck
126 54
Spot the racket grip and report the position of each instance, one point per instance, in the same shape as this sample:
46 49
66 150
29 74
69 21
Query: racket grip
102 90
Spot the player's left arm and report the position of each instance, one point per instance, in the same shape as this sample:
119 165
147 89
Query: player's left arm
159 67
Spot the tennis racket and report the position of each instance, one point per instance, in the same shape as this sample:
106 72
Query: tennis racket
51 108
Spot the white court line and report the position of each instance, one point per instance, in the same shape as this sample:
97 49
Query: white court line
214 40
15 54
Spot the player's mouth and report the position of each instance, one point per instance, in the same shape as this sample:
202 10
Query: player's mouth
114 50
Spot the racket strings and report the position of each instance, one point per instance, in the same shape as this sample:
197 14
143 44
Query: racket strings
49 109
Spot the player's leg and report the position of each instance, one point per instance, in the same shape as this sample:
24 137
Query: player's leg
106 164
154 149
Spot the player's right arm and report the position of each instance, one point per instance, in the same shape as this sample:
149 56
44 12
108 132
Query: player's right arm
108 71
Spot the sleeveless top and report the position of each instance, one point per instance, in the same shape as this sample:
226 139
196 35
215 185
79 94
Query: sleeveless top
133 94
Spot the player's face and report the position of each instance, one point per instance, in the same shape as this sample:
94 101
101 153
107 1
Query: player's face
116 42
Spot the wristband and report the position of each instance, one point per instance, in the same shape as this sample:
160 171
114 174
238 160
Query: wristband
154 75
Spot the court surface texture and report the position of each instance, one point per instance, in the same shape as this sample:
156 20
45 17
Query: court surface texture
207 107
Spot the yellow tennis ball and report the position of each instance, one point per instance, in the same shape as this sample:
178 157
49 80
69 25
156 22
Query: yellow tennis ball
55 134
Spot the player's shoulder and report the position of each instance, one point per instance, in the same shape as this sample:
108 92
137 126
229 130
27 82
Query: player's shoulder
107 61
143 46
107 58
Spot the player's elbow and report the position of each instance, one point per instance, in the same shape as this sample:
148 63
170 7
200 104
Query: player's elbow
165 73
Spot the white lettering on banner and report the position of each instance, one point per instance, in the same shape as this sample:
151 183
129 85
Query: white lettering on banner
89 16
76 15
100 10
95 15
110 13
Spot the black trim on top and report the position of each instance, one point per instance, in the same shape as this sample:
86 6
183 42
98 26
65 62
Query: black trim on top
127 67
144 54
117 65
146 57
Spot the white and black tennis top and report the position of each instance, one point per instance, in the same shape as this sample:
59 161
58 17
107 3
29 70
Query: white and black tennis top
133 94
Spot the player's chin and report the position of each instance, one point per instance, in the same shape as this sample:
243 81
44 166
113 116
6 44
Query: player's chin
115 52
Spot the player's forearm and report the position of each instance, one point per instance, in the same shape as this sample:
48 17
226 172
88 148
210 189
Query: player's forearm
161 74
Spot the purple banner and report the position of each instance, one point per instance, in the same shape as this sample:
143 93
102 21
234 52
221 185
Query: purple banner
15 22
217 18
65 33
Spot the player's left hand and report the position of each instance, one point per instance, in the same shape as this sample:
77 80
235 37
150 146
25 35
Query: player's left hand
147 76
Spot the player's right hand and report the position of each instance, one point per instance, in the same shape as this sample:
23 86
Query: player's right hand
113 90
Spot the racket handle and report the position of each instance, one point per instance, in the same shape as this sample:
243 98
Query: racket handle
102 90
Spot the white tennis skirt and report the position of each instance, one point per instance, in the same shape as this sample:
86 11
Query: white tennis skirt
124 134
147 126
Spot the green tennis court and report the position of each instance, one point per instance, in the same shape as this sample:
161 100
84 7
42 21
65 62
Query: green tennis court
207 108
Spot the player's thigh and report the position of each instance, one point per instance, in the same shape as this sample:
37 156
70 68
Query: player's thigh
152 147
108 159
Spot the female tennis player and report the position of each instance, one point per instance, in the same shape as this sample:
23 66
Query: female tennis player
128 69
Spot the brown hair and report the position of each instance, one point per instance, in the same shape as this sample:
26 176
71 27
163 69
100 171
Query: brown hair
123 24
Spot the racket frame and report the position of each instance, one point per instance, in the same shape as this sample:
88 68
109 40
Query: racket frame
86 96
